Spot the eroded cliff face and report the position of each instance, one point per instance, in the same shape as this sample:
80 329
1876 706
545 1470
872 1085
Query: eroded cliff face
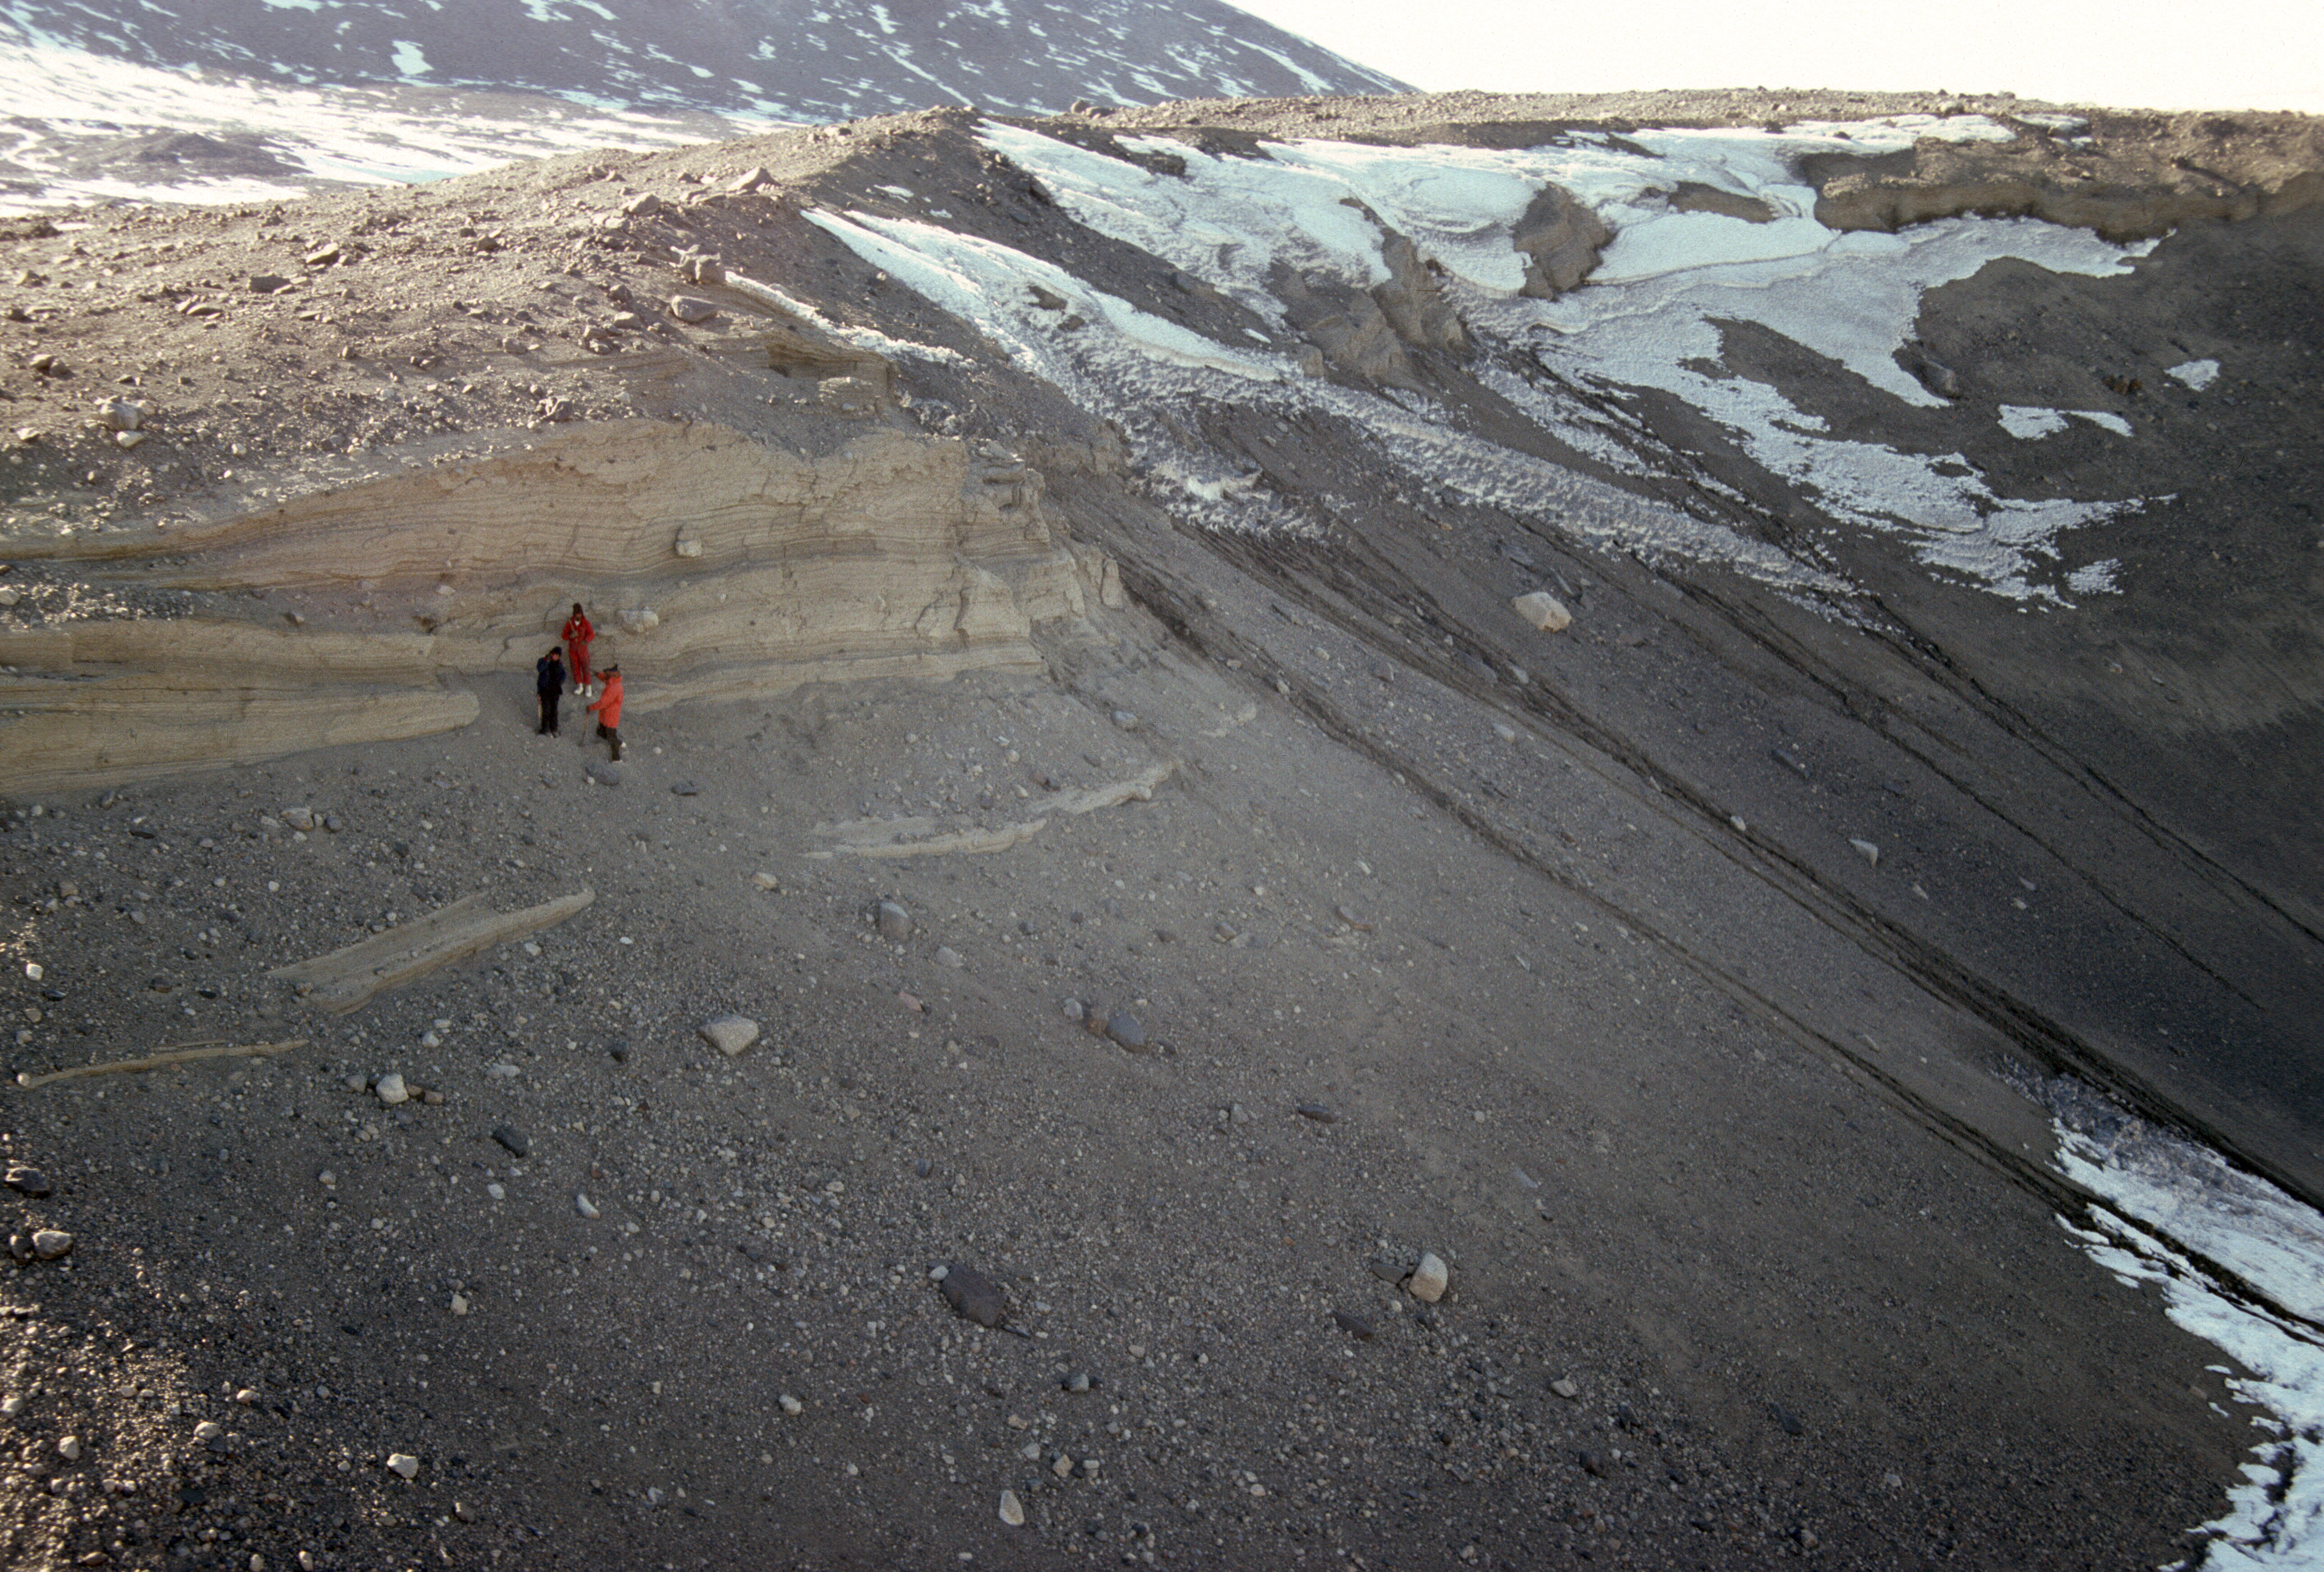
716 566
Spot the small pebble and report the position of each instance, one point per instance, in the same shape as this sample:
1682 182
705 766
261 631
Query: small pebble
1013 1511
69 1448
1429 1279
513 1141
1566 1389
947 956
51 1244
1318 1112
392 1089
27 1180
582 1205
404 1464
208 1431
791 1405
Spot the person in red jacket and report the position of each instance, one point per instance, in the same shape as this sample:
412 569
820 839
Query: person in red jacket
576 634
608 706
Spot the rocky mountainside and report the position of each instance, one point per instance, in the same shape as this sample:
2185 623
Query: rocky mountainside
1701 709
784 59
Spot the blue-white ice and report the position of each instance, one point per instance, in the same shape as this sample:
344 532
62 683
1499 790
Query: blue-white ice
1650 317
1106 354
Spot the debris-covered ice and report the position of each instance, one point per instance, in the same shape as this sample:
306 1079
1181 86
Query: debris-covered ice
1654 315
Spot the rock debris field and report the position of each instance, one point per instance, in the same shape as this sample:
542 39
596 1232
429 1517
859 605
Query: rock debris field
1068 1038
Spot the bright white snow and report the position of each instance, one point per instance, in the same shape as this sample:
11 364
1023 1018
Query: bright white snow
2026 421
353 135
2173 1201
1651 316
2198 375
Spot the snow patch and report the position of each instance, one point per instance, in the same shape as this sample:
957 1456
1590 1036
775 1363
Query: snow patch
2028 421
2103 419
350 135
2256 1291
2098 578
408 59
1653 314
2198 375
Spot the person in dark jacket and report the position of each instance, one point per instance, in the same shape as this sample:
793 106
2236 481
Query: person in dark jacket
548 682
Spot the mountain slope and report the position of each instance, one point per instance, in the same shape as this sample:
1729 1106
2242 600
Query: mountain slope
796 60
1073 581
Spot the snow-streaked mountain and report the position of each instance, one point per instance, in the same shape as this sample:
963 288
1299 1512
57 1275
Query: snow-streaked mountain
782 60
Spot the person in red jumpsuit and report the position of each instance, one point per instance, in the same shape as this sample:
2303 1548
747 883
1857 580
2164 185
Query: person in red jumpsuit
576 634
608 706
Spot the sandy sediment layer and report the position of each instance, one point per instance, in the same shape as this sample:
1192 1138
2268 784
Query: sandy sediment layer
714 566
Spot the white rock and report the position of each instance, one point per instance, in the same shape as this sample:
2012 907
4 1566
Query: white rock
947 956
1867 851
208 1431
298 818
1429 1278
639 619
583 1204
1544 611
69 1448
1566 1389
766 882
51 1244
404 1464
730 1034
459 1304
1505 731
1013 1511
791 1405
392 1089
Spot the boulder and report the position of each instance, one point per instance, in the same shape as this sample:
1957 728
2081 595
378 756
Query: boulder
730 1034
1544 611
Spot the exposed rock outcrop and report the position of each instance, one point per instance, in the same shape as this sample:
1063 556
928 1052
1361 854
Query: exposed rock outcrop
720 567
2129 176
1562 240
